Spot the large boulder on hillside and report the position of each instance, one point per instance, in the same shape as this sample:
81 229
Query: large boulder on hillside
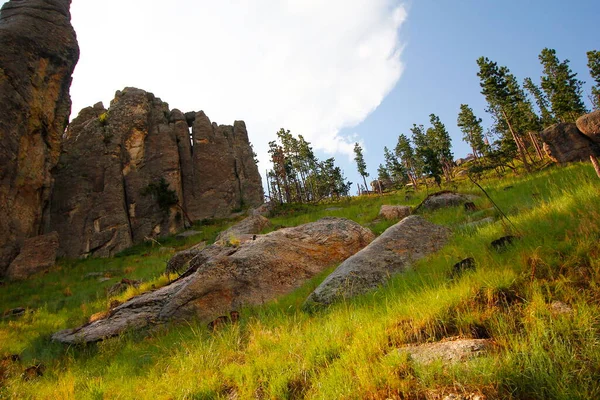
135 171
394 212
248 226
589 125
391 253
565 143
38 53
37 254
224 279
445 199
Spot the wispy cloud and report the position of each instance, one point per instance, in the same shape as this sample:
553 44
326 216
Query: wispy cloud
311 66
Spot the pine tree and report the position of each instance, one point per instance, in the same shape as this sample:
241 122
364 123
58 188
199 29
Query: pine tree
472 130
394 168
541 100
361 165
562 87
406 154
497 85
594 66
441 144
383 174
425 153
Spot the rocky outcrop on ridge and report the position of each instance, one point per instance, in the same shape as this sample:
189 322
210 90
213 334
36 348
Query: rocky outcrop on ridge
111 158
391 253
223 279
38 53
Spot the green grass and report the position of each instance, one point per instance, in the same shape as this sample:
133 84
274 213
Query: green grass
350 350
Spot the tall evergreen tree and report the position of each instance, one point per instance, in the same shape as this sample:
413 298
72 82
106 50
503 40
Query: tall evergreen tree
383 174
562 87
441 144
361 165
394 168
472 130
541 100
426 153
594 66
497 85
405 152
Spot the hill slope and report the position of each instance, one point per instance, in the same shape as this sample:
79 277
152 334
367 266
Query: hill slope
540 348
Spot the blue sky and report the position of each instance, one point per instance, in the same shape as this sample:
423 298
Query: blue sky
442 41
335 71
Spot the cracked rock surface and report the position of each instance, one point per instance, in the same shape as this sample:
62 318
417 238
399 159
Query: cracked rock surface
223 279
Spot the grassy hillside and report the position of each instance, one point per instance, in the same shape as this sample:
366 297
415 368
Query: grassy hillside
350 350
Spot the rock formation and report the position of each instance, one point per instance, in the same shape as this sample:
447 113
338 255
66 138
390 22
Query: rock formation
565 143
444 199
394 212
38 53
391 253
223 279
589 125
37 254
135 171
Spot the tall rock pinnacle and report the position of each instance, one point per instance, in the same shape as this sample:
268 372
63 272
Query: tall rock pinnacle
38 53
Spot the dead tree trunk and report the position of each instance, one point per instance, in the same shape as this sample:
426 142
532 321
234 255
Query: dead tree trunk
596 165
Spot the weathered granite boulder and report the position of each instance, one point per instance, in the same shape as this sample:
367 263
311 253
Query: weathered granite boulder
38 53
130 172
445 199
37 254
589 125
565 143
394 212
449 351
391 253
248 226
253 273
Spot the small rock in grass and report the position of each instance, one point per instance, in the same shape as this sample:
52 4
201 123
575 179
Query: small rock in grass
470 206
481 222
394 212
558 307
450 350
35 371
11 358
468 264
221 321
501 244
15 312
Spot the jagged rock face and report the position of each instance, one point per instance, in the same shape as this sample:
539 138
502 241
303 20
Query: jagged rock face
101 204
565 143
224 173
223 279
38 53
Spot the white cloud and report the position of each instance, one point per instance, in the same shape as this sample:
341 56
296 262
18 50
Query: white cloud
311 66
